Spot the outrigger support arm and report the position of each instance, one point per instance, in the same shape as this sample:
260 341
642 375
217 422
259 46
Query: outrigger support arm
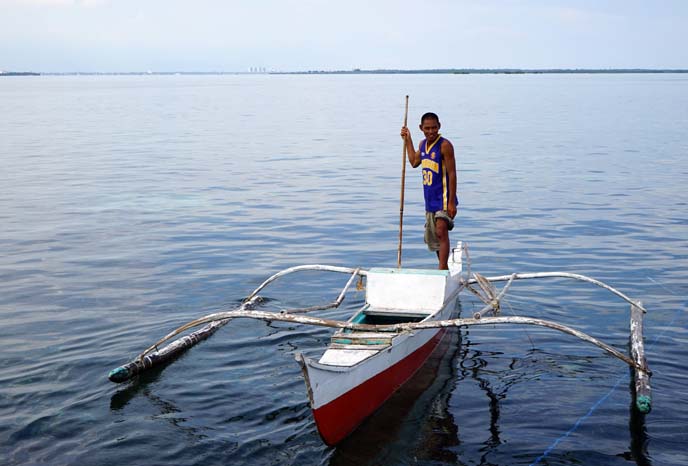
331 305
300 268
409 327
154 356
148 360
575 276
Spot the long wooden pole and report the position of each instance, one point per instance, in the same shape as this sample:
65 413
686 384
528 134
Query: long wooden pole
403 181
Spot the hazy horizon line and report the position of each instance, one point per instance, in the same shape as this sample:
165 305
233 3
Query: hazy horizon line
262 70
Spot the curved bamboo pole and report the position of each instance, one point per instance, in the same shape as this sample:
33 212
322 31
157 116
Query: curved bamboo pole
331 305
148 358
171 351
300 268
575 276
307 320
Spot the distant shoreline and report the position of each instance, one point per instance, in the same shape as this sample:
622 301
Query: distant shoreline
496 71
362 71
18 73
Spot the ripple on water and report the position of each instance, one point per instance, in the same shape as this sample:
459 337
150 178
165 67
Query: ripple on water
157 209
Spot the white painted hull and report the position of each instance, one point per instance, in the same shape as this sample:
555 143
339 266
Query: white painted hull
329 382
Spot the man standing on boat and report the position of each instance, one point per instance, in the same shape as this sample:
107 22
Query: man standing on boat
435 155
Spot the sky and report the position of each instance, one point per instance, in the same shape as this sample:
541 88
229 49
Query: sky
299 35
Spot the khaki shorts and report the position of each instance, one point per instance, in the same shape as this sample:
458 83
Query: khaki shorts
430 236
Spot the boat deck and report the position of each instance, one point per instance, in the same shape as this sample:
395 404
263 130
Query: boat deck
348 347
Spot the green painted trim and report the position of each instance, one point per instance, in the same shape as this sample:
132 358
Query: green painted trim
643 403
346 341
444 273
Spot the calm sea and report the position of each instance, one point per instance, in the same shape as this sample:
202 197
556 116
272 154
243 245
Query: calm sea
130 205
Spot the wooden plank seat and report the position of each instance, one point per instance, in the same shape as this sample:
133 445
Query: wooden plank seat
364 339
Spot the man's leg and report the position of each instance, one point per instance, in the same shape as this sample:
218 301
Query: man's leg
442 232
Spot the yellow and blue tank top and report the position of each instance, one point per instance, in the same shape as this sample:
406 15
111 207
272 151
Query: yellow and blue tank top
435 176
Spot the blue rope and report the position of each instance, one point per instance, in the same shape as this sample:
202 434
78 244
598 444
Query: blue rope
592 409
564 436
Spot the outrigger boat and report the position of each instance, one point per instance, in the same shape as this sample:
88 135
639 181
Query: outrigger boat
404 318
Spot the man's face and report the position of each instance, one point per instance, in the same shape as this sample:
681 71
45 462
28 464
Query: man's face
430 128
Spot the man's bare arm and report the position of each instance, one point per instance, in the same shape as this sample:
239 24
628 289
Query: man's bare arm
413 154
449 161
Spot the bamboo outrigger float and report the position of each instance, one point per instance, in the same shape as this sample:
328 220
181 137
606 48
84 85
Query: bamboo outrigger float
404 318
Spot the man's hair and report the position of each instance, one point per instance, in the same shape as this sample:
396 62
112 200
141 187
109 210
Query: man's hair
429 116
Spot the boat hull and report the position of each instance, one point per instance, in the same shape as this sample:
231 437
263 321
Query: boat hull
360 371
336 419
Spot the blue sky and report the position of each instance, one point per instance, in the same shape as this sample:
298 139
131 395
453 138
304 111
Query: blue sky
230 35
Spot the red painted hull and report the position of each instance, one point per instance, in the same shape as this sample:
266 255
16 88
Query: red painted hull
340 417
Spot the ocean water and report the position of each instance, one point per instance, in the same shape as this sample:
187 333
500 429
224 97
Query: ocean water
130 205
